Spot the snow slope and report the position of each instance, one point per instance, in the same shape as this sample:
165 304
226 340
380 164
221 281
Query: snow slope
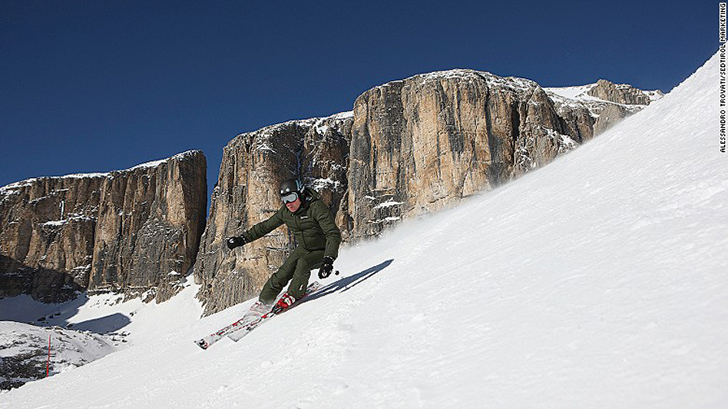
597 281
132 321
25 348
82 330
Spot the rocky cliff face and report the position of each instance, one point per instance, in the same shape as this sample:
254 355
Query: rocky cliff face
602 104
133 231
411 147
47 230
426 142
253 165
622 93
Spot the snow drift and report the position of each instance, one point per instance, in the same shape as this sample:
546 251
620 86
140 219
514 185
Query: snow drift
597 281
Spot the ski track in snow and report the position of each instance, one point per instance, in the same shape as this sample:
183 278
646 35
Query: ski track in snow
597 281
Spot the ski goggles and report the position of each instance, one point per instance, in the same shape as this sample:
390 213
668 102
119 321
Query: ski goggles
290 197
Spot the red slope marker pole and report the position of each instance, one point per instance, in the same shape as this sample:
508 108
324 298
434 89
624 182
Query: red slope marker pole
48 364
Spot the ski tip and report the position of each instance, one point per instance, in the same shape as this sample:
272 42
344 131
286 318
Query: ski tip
202 344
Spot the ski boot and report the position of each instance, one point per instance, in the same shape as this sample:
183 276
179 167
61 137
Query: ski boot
284 303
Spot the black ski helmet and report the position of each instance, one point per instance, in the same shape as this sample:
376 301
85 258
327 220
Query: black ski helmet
291 186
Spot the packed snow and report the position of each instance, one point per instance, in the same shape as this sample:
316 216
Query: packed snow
596 281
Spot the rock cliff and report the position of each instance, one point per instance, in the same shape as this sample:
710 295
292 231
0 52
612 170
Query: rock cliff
246 193
622 93
135 231
410 147
426 142
47 230
605 102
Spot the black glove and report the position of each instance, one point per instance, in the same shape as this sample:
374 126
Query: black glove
327 266
233 242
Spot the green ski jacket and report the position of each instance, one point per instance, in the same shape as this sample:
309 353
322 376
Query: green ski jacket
312 225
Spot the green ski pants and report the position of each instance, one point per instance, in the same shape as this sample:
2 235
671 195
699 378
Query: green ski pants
296 269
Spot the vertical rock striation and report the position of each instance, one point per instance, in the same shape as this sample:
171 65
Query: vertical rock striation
47 228
149 223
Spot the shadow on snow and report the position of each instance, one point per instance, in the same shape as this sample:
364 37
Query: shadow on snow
347 283
28 311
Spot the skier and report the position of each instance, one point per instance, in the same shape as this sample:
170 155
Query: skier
317 236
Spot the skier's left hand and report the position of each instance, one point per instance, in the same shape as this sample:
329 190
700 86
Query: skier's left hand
327 266
233 242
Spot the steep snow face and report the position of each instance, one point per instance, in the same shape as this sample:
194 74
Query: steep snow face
597 281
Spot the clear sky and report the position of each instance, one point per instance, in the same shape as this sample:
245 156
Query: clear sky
101 85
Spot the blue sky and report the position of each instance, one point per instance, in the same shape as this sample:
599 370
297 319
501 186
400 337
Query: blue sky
97 85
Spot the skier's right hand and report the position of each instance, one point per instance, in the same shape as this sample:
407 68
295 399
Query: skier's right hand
233 242
327 266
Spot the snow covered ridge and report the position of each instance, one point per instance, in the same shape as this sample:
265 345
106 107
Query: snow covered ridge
581 93
10 188
463 74
514 83
321 125
153 164
307 122
575 93
13 187
603 96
